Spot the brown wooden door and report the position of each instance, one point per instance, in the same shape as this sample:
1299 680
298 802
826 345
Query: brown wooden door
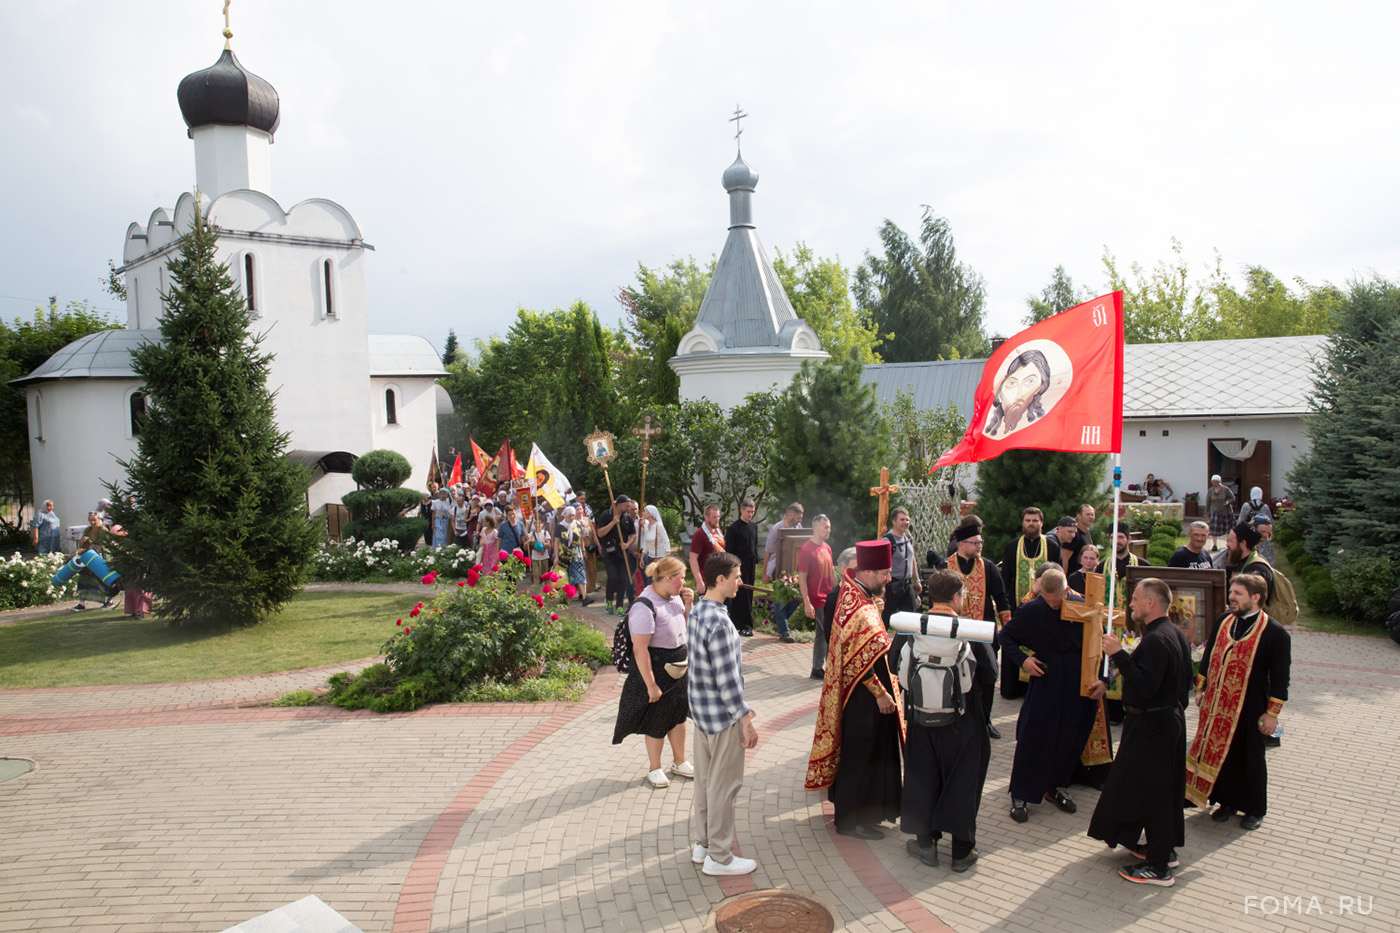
1258 471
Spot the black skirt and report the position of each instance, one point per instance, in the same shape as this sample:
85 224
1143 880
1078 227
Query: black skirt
635 715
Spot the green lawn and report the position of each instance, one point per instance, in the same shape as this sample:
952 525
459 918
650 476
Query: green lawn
105 647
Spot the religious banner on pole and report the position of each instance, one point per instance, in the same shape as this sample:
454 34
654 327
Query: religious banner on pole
499 472
480 458
435 468
1057 385
546 480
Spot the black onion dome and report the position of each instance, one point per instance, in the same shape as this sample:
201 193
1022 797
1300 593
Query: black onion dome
227 94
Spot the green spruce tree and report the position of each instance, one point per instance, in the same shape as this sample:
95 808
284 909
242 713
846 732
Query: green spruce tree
218 532
829 441
581 399
1348 486
1056 482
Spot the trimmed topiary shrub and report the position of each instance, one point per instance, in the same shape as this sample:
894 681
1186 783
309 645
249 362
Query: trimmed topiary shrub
377 507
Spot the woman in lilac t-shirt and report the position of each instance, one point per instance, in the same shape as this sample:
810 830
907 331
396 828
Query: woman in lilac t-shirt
653 700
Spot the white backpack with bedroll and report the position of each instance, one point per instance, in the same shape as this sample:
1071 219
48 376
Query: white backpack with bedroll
936 674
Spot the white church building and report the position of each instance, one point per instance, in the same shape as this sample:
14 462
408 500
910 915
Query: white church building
341 391
1188 412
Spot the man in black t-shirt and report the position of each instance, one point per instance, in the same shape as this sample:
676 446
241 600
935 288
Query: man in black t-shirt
617 532
1193 554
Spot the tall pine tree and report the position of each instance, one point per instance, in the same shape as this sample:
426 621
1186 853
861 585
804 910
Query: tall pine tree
219 532
1057 482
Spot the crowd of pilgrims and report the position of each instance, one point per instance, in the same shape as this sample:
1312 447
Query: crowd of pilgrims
882 757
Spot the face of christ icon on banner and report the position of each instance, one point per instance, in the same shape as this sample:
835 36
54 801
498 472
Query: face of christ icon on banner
1055 386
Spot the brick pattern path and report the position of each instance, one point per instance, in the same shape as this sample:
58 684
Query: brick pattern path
175 807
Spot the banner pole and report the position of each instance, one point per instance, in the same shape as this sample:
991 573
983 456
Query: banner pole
1113 551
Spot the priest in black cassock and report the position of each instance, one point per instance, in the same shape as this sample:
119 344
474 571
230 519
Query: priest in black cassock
986 599
1146 785
742 541
945 766
1055 720
1241 690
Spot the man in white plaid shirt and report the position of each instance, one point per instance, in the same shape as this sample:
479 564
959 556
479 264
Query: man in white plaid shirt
723 721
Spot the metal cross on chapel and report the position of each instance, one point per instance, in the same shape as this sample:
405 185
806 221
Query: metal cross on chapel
739 115
883 491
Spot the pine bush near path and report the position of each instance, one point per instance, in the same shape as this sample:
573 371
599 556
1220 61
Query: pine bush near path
218 531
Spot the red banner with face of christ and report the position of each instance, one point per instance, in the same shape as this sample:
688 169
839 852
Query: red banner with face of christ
1057 385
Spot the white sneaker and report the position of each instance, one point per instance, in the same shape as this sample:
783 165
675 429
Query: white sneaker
736 866
685 769
699 854
658 778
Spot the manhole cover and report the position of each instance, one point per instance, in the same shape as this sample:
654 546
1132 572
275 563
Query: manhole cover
764 911
11 768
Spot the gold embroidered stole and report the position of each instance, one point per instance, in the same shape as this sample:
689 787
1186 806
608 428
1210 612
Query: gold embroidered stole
975 603
1098 750
1025 566
1226 682
858 642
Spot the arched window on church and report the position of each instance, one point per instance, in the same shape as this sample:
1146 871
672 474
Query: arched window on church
38 416
328 284
391 407
249 284
136 410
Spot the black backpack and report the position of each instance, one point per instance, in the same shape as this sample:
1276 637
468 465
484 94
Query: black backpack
622 640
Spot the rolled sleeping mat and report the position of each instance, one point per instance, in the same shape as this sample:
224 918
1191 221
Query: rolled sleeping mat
927 623
93 563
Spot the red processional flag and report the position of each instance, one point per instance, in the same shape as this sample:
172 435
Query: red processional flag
479 458
1057 385
499 471
456 477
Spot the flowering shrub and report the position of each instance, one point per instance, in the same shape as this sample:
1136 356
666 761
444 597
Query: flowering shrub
27 582
351 560
477 631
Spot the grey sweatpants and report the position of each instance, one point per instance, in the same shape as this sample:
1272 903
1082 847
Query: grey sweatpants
719 773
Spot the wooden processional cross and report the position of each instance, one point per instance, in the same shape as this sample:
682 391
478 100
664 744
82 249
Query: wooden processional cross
1092 613
883 491
648 429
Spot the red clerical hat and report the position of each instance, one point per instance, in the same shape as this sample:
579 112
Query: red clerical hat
873 555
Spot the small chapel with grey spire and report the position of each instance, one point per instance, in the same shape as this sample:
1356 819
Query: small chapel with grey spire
746 338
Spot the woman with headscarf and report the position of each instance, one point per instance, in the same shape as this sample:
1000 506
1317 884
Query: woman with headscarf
568 545
653 701
655 542
442 519
1221 503
46 529
1255 506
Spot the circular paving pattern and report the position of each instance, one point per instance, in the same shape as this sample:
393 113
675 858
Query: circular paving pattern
773 911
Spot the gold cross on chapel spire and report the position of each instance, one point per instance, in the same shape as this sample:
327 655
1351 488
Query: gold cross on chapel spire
228 33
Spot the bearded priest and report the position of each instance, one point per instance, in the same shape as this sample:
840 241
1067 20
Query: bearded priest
858 744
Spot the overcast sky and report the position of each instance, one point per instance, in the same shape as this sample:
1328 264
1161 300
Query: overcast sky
532 154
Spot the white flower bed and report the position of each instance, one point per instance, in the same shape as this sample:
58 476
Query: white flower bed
355 560
27 581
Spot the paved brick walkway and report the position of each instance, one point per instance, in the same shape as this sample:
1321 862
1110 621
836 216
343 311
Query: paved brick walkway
175 808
